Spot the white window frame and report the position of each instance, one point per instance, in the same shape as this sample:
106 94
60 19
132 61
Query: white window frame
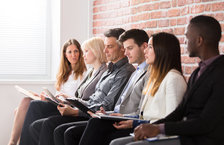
48 57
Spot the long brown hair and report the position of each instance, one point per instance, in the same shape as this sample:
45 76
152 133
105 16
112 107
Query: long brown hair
65 67
167 56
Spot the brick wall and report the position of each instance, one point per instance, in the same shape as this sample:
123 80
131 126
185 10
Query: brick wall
156 16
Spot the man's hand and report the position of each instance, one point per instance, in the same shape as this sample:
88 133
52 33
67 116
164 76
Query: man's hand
123 124
144 131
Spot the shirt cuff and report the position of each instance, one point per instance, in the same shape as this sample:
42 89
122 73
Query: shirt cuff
162 128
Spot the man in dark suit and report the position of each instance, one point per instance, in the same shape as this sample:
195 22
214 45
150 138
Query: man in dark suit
199 119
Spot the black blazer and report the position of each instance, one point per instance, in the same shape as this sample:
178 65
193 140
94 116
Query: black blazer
199 119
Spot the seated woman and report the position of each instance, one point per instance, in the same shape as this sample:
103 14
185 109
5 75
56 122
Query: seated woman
71 72
163 92
94 56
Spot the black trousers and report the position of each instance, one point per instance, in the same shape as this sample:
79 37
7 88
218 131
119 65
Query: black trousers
37 110
101 132
69 133
43 130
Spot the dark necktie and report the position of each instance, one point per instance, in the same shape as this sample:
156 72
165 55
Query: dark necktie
110 67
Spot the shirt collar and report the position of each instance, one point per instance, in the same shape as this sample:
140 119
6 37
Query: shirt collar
208 61
141 66
118 64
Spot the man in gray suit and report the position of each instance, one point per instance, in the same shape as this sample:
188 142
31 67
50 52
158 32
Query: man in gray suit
134 42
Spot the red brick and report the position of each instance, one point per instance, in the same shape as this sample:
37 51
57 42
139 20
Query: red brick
187 77
184 11
99 31
165 4
157 30
155 15
222 25
222 48
173 12
187 59
181 2
99 23
158 14
140 17
188 69
181 39
174 3
219 16
163 23
151 24
207 0
197 9
150 32
154 6
222 39
189 1
146 7
182 21
142 25
136 2
208 7
97 2
179 31
169 30
135 26
182 50
173 22
218 6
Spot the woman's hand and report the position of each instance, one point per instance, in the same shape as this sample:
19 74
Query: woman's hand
35 94
116 114
66 110
93 114
63 95
123 124
43 96
101 111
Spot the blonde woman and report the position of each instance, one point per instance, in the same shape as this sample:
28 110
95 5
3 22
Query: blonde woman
71 72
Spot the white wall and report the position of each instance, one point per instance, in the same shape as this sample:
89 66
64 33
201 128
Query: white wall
75 20
70 20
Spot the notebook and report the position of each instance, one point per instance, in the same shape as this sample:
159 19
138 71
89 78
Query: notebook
27 93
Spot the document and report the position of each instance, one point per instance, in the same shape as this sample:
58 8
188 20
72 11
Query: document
159 137
27 93
115 118
51 98
85 109
79 105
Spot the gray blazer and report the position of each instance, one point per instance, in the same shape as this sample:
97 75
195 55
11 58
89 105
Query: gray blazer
90 88
131 102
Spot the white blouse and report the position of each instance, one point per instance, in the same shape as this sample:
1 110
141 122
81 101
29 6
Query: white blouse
70 86
167 97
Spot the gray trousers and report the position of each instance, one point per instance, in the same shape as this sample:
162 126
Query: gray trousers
129 140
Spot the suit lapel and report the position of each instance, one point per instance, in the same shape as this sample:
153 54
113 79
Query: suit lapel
194 84
130 89
96 74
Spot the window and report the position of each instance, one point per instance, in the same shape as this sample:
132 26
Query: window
25 44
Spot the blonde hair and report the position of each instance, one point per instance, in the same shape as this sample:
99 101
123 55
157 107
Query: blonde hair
65 67
96 45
